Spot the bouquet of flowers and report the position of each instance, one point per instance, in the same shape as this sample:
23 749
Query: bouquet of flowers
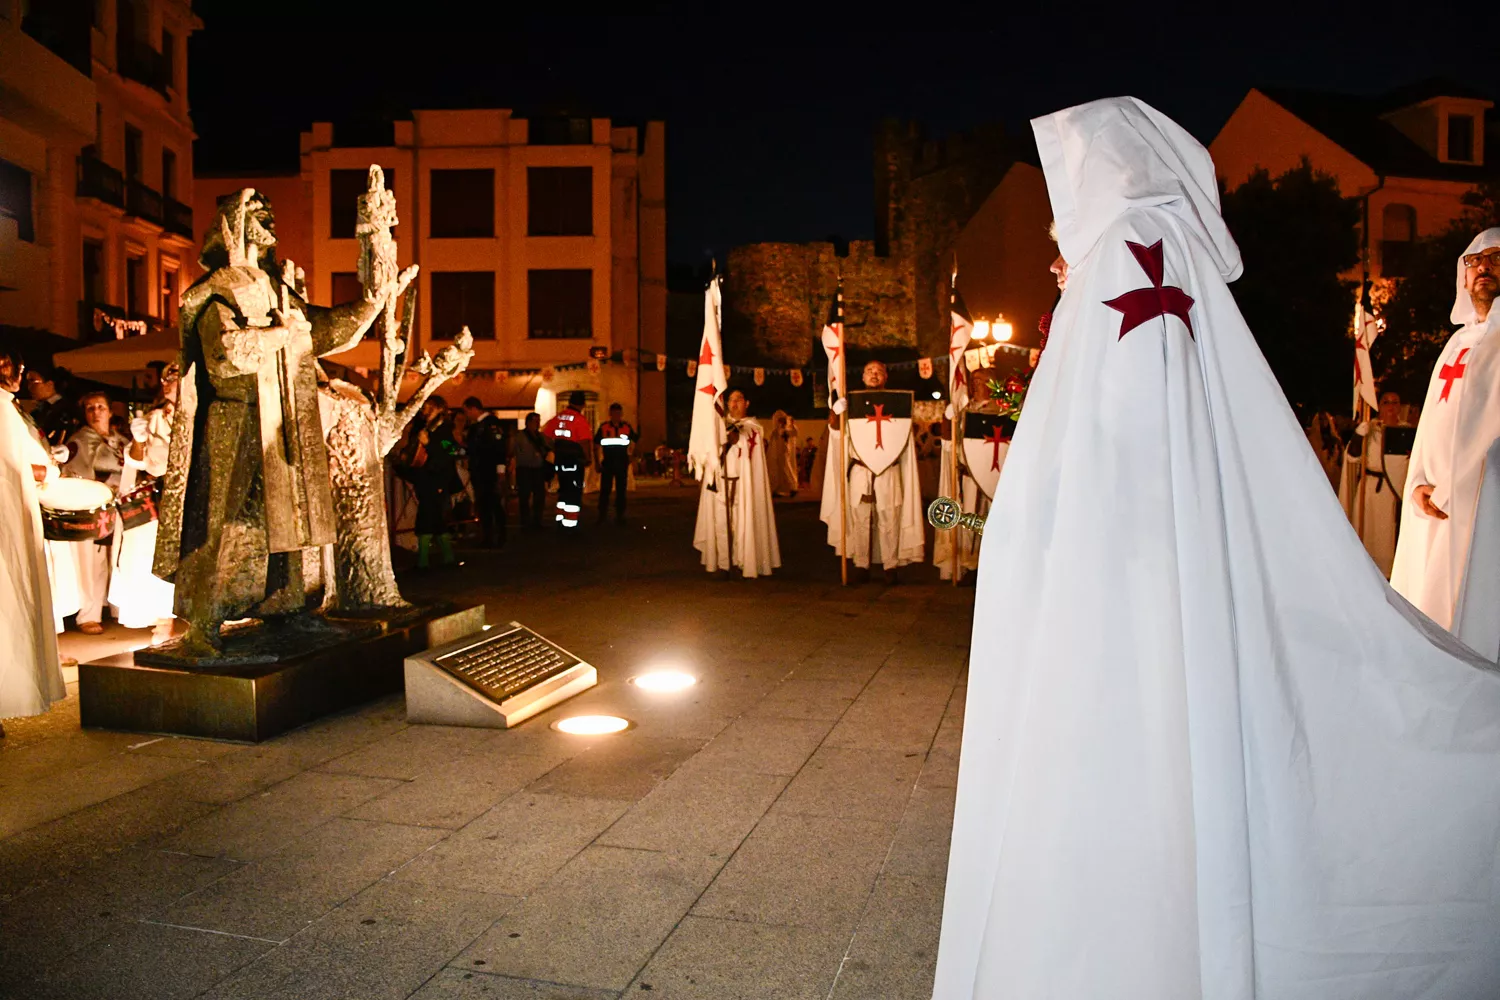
1011 393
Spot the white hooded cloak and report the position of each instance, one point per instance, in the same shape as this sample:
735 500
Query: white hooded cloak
30 679
899 533
1208 753
756 549
1451 568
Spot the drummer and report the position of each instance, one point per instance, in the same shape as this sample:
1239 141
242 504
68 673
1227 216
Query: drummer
97 453
139 598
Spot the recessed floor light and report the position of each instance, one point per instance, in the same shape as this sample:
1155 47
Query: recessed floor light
664 680
591 725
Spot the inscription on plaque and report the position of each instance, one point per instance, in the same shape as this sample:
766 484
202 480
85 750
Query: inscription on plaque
506 663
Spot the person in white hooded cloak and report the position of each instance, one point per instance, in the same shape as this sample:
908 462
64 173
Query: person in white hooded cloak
736 525
1208 753
1448 550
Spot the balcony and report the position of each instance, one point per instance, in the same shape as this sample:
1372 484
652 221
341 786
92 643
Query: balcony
100 181
144 203
64 32
143 64
179 218
102 321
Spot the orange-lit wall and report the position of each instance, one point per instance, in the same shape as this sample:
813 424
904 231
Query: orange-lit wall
1004 254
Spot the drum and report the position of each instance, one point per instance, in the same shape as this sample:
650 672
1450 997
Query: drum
139 506
76 510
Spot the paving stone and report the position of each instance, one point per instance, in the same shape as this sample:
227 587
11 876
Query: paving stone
811 871
626 767
453 793
697 813
283 893
409 753
517 845
763 745
37 760
922 839
262 824
894 952
804 698
461 984
624 903
380 945
708 959
863 784
146 961
23 806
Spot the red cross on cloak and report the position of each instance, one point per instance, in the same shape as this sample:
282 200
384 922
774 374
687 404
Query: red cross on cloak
752 435
1452 373
993 437
1143 304
879 417
707 358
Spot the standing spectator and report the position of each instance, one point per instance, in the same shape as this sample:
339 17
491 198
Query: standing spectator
614 444
528 455
484 439
97 453
568 434
53 415
430 464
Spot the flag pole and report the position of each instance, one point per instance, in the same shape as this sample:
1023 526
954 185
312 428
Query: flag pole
843 439
953 433
1361 415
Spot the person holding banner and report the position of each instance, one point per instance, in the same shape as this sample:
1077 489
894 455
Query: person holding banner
736 526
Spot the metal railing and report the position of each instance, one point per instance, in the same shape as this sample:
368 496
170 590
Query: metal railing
99 180
144 203
179 218
140 62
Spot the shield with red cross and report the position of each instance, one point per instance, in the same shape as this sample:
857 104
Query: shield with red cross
879 422
986 439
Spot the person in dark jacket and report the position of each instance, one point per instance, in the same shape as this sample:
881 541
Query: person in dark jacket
484 439
430 464
528 459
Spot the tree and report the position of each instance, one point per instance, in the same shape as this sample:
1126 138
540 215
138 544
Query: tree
1415 312
1298 236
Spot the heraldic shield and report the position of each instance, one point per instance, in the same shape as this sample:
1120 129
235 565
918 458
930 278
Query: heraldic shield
986 440
879 422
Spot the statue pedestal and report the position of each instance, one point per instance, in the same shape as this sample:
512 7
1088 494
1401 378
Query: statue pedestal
270 679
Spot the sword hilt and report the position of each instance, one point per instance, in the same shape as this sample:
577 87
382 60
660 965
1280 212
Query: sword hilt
945 514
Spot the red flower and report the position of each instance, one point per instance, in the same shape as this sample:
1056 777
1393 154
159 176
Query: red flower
1014 384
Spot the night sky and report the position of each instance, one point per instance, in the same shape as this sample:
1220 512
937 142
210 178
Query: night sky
770 117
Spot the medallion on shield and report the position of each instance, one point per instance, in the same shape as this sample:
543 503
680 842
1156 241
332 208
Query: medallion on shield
879 422
986 439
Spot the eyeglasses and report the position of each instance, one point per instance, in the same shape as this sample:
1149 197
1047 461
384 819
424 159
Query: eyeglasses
1490 257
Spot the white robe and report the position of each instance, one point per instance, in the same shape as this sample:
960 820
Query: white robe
1208 753
753 518
139 597
974 502
30 679
900 535
1374 506
1452 454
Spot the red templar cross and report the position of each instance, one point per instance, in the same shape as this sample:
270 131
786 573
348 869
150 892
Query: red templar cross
994 438
1143 304
1452 373
880 417
707 358
752 435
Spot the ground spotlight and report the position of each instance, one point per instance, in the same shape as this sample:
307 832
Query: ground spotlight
591 725
664 680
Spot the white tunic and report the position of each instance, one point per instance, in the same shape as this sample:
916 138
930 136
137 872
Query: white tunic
898 536
30 679
748 525
140 598
1370 490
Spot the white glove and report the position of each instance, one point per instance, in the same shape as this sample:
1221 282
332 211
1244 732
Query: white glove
948 412
839 406
139 430
61 454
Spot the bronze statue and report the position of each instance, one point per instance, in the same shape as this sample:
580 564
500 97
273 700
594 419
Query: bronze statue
247 489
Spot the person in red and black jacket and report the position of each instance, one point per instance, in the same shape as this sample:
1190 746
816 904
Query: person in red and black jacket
569 436
614 444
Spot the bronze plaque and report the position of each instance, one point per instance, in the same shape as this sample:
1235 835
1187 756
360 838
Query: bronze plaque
506 662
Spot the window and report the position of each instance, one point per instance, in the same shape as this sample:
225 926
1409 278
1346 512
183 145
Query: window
560 304
93 271
168 310
135 287
560 201
169 58
134 153
1461 138
1398 230
168 173
15 199
463 298
344 189
346 287
462 204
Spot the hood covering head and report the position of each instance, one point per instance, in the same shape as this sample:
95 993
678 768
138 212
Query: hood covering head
1463 306
1106 157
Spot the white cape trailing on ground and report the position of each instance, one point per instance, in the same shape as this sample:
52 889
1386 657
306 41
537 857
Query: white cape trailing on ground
1208 752
1451 568
756 550
30 680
